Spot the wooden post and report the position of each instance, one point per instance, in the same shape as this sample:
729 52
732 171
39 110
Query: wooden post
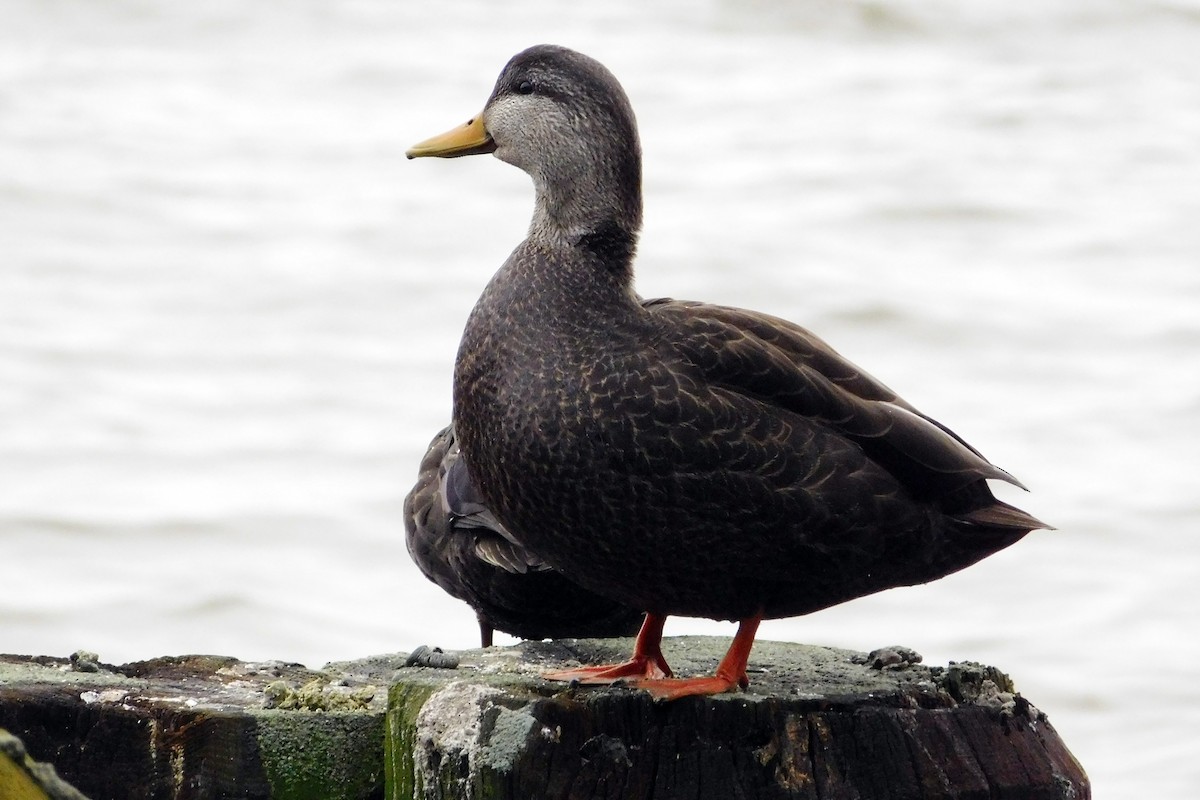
816 723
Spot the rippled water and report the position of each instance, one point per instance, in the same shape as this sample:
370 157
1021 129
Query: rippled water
229 308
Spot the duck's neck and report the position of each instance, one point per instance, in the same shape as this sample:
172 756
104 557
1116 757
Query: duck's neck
596 205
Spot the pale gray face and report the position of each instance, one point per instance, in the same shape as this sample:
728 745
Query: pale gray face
526 128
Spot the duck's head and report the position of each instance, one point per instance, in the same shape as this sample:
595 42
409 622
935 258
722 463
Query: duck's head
563 118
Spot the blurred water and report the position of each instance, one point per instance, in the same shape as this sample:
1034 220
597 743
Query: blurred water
229 308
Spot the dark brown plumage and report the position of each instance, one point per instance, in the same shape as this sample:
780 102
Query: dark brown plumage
679 457
459 545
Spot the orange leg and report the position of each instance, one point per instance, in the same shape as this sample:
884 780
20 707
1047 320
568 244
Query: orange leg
730 673
647 661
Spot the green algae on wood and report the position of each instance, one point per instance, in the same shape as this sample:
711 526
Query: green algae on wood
329 756
405 701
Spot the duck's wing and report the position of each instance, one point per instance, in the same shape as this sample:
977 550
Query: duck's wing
785 365
427 526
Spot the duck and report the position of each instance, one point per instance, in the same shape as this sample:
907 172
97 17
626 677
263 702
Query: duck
683 458
458 544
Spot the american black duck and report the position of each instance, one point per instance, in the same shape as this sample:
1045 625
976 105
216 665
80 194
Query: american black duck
460 546
681 458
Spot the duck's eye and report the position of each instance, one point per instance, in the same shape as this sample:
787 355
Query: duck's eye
525 87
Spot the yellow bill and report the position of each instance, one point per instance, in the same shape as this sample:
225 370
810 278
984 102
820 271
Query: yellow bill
465 140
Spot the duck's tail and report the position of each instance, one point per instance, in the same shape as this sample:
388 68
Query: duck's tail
982 527
999 514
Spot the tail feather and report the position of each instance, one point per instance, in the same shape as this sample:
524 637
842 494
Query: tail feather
1001 515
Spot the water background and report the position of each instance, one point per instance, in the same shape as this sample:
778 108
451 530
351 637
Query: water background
229 308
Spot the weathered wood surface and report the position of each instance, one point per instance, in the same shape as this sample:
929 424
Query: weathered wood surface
816 723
